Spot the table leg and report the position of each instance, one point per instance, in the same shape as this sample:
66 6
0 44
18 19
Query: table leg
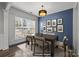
34 46
52 49
31 44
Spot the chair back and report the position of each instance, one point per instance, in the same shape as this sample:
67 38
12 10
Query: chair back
29 37
39 34
39 40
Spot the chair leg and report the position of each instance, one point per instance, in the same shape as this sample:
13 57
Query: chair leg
64 51
34 47
48 47
31 44
27 43
43 48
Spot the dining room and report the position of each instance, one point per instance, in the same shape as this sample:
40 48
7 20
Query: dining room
39 29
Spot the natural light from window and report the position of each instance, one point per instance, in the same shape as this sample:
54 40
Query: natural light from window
24 27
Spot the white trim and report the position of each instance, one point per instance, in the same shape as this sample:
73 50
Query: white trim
9 4
5 41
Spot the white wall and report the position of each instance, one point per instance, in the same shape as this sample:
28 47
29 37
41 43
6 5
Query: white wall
75 28
1 21
3 29
36 26
6 30
11 29
78 29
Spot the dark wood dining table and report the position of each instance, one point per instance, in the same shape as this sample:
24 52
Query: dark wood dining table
50 38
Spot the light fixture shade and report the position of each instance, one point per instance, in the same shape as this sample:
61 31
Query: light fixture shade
42 12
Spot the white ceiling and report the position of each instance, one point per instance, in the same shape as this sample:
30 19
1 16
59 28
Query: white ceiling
51 7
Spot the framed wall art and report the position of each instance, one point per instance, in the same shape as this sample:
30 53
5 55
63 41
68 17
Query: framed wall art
44 23
54 22
48 22
54 29
60 28
49 29
60 21
44 28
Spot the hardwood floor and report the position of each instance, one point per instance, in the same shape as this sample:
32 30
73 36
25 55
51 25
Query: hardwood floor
20 51
24 50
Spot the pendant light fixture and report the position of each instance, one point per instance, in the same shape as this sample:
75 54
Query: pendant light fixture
42 12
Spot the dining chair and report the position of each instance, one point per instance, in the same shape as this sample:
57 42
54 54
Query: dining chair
30 39
41 44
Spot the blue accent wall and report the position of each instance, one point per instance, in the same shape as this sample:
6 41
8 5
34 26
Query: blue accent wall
67 16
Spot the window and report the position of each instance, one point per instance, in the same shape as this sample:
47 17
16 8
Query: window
24 27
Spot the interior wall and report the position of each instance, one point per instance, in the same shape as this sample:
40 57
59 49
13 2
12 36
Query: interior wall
67 16
1 21
75 28
78 29
6 46
12 13
36 26
3 28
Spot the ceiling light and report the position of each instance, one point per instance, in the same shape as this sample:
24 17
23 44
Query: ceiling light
42 12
